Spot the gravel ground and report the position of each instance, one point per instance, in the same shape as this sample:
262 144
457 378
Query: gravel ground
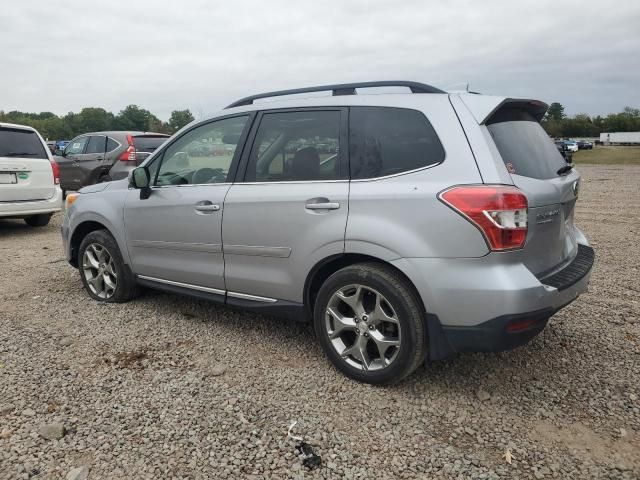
169 387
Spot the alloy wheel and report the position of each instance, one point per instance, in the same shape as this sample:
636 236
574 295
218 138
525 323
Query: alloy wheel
99 271
363 327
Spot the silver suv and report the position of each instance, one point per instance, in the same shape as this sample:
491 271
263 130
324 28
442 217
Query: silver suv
403 225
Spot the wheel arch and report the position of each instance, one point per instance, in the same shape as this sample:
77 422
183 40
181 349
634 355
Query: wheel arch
82 230
437 343
328 266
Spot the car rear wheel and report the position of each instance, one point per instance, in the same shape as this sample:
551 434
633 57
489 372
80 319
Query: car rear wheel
104 274
369 322
41 220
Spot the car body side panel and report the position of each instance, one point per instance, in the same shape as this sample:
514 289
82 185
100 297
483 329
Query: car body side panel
401 216
484 150
105 207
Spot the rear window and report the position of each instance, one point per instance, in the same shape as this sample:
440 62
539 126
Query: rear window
524 146
20 143
148 143
385 141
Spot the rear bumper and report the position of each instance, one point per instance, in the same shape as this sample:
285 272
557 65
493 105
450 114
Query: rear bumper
28 208
488 304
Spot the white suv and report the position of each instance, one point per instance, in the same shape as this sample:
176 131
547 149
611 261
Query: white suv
29 181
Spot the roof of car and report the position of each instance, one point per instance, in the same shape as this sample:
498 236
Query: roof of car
16 126
124 132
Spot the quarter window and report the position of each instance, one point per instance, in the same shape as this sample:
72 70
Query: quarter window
296 146
202 155
385 141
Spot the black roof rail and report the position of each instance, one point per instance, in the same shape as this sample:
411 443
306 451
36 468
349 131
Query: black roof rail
341 89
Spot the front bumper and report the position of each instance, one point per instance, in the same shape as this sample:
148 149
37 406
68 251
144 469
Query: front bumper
28 208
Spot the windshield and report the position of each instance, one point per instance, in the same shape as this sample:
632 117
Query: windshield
525 147
20 143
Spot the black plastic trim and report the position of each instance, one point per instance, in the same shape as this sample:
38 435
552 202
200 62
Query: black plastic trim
574 271
340 89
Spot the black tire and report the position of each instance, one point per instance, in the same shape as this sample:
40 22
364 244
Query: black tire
41 220
126 288
403 299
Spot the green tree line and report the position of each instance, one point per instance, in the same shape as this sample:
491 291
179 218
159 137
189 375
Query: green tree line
559 125
94 119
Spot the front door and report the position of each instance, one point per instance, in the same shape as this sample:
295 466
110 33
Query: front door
174 236
290 210
69 163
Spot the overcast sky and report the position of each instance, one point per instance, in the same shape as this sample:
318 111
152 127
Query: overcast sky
165 55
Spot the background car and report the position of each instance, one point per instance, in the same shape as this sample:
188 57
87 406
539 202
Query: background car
571 145
104 156
584 145
28 176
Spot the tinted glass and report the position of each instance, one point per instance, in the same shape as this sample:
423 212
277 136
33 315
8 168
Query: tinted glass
76 146
524 146
202 155
296 146
385 141
148 143
96 144
20 143
111 144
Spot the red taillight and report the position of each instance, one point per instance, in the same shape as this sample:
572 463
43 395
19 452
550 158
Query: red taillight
56 172
129 155
500 212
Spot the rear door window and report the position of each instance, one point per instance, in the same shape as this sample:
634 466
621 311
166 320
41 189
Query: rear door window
96 144
386 141
15 142
295 147
524 146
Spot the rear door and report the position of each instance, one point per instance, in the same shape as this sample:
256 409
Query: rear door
25 169
69 163
290 209
535 166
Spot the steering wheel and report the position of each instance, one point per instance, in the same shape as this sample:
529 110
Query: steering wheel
208 175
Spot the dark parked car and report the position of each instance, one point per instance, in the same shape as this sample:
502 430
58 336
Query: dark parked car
584 145
104 156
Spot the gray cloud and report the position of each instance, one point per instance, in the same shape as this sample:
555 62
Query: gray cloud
198 54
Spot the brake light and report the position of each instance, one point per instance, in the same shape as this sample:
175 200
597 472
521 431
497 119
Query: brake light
56 172
129 155
500 212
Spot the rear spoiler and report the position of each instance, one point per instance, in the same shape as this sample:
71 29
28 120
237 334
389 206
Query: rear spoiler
483 107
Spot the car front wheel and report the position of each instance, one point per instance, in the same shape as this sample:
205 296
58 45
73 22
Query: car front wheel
369 322
104 274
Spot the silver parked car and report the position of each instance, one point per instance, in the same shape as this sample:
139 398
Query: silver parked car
404 226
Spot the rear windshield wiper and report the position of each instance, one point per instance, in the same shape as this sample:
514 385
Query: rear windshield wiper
19 154
566 169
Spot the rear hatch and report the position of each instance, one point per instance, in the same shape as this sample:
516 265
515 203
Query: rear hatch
25 170
534 163
146 144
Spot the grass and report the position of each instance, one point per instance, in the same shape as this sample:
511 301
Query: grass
608 155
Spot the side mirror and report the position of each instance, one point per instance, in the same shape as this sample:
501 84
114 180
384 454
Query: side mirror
59 152
141 179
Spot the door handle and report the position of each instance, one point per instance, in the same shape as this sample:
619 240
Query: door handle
207 207
321 204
